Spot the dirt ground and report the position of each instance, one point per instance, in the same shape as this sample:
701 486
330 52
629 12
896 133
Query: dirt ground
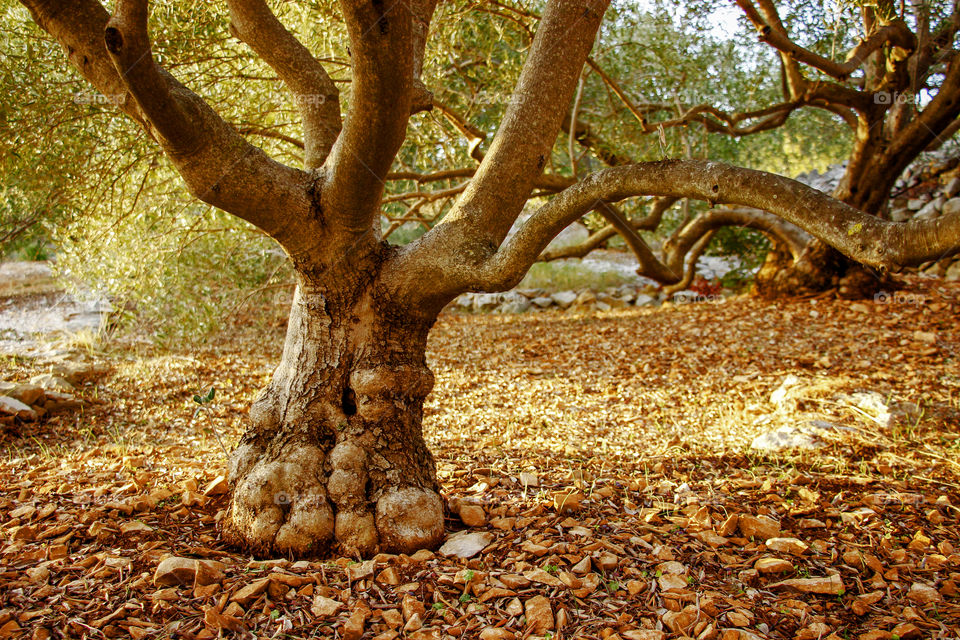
603 460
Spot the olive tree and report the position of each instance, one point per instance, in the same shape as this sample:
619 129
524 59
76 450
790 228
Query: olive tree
334 449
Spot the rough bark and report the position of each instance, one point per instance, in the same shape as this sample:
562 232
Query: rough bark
335 450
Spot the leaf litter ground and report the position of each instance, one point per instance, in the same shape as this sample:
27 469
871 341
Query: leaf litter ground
602 460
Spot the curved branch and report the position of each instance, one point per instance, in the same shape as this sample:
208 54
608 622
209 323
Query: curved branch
895 33
793 237
218 165
649 264
862 237
648 223
690 265
316 96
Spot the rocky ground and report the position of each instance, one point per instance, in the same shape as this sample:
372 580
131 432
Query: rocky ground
597 467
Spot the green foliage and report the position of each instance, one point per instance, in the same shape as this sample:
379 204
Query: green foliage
560 276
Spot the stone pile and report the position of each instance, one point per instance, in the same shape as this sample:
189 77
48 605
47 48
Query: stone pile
52 392
523 300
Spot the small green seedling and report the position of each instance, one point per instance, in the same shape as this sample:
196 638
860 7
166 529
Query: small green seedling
202 402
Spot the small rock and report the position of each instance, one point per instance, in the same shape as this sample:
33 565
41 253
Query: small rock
915 204
187 571
542 302
13 407
514 303
539 615
353 627
473 515
900 215
923 594
953 271
251 592
542 577
466 544
773 565
672 582
360 570
829 585
496 633
410 607
585 298
389 576
930 210
324 607
563 299
793 546
710 538
759 527
582 567
217 487
51 382
952 188
951 206
413 624
26 393
486 301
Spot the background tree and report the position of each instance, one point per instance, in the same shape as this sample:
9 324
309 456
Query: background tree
334 449
884 73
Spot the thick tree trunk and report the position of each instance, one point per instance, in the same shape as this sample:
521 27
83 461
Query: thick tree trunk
335 450
820 267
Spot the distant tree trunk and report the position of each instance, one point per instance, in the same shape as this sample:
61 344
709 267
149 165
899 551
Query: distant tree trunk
335 449
866 185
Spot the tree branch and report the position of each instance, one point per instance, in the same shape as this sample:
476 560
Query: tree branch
689 265
522 146
862 237
649 264
422 11
218 165
316 96
381 95
895 33
648 223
